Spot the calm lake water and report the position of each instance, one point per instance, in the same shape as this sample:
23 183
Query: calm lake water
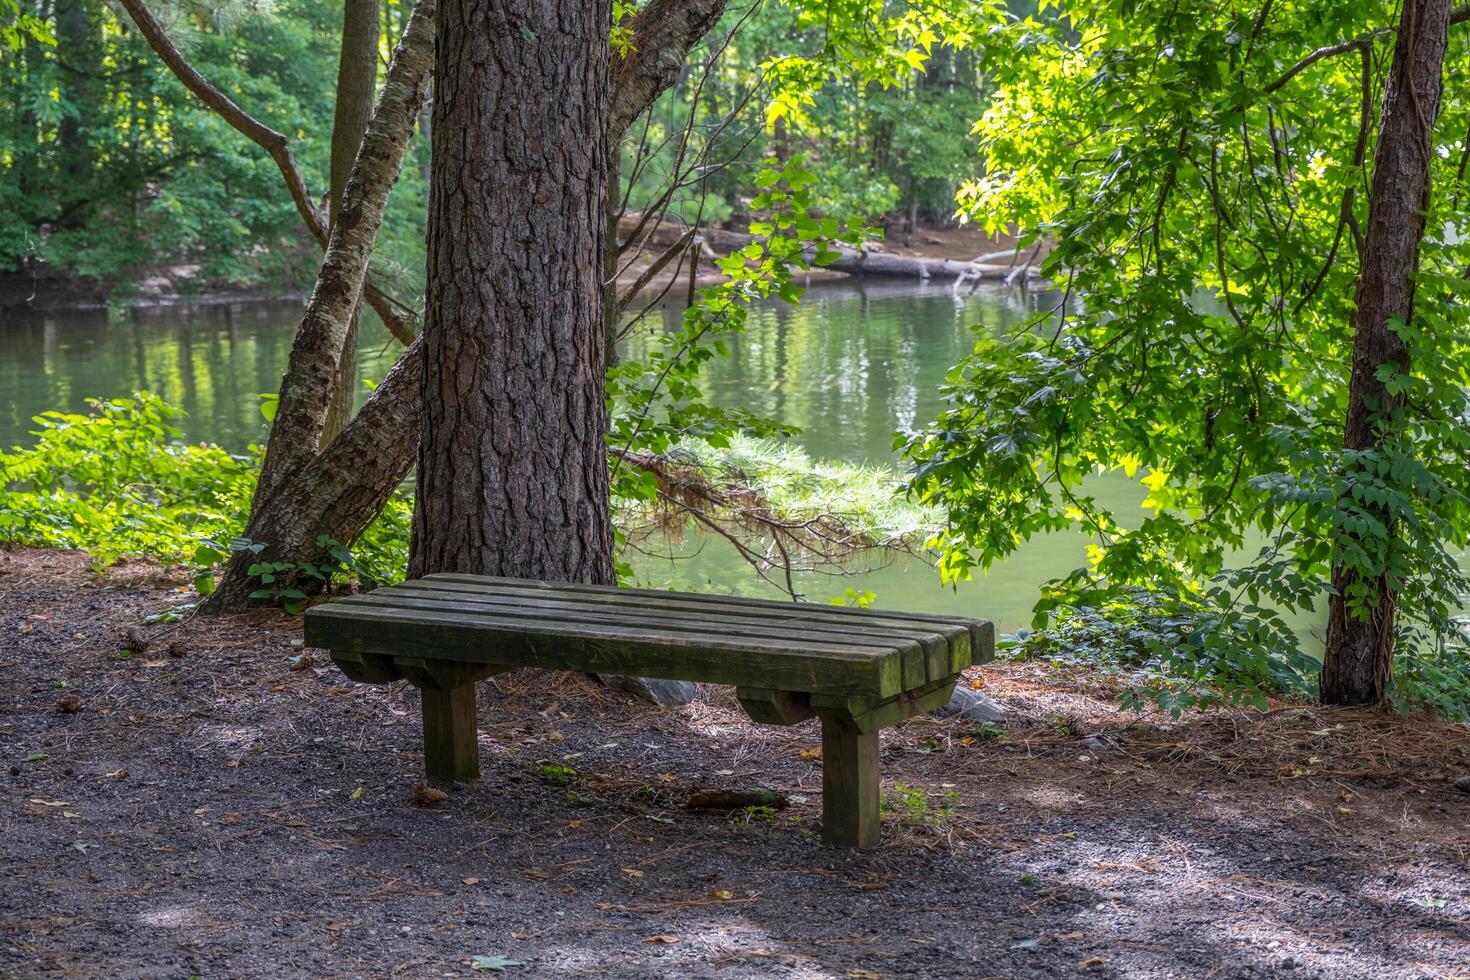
851 365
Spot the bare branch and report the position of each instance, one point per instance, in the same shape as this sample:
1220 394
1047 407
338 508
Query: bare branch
658 265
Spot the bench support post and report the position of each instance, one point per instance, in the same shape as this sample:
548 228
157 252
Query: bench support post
849 785
451 749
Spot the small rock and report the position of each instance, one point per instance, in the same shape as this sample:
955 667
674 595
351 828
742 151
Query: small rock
653 690
1463 784
970 705
70 704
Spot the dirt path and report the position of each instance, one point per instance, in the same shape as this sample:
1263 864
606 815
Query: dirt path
235 812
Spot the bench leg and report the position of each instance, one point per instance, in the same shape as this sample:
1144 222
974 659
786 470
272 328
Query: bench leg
849 786
451 751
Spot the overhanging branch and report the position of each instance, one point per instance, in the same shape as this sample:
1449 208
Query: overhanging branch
1457 16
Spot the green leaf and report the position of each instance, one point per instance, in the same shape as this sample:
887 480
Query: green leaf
496 963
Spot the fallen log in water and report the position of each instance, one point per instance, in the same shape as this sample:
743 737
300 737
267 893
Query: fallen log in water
855 262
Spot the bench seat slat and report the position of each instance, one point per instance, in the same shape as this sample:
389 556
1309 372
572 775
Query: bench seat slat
939 647
982 632
808 615
603 648
574 617
676 615
918 651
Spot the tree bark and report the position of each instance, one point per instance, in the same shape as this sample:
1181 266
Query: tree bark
357 76
512 464
664 32
1359 653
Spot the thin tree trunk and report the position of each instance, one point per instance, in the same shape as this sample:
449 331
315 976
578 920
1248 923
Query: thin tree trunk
1360 641
357 76
79 53
307 387
512 468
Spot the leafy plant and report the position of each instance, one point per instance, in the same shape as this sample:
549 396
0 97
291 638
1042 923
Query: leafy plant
914 806
553 774
120 481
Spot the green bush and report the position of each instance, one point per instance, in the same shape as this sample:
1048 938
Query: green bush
120 481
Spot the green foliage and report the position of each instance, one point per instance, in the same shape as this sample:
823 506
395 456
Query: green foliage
1204 209
914 806
119 482
879 96
109 164
554 774
1173 650
17 25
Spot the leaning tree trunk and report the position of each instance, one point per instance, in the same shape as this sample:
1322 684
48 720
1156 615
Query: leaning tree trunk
1359 652
357 77
306 389
512 466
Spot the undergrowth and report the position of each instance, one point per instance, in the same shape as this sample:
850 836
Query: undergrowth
1167 648
120 482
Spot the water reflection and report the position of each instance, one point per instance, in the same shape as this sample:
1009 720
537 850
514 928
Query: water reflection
854 361
850 365
213 361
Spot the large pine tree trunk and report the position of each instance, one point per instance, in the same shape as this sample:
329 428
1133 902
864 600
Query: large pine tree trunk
357 76
512 465
1359 652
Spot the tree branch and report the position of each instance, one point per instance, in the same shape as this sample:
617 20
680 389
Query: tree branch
275 144
1457 16
664 31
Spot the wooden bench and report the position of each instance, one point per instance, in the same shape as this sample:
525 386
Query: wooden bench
859 670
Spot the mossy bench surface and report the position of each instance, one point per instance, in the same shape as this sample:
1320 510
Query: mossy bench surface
860 670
